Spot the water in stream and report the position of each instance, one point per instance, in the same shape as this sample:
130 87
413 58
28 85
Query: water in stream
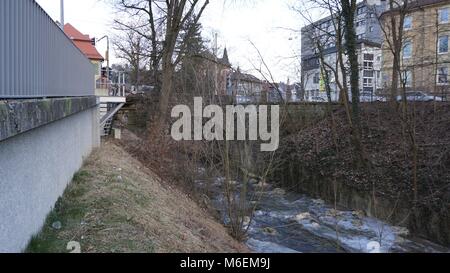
293 223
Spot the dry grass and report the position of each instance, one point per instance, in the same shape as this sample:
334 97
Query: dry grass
115 204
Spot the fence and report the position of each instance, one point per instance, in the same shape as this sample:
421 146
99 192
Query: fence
36 58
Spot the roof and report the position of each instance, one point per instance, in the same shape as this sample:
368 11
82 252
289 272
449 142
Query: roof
212 58
238 76
417 4
423 3
83 42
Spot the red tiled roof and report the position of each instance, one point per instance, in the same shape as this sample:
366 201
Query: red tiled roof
83 42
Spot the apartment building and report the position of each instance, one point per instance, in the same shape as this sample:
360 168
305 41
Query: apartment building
322 33
425 56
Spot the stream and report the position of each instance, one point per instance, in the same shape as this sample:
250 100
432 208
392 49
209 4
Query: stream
286 222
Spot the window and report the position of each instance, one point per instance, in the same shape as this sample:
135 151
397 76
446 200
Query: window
442 75
371 29
361 10
368 82
407 78
407 24
407 50
368 65
368 73
316 78
368 57
444 15
361 23
443 44
325 25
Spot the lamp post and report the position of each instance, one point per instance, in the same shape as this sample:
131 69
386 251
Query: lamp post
107 54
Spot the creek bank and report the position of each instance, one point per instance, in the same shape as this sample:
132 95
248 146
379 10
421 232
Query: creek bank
286 222
319 162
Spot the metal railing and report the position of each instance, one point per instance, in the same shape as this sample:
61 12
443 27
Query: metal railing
37 59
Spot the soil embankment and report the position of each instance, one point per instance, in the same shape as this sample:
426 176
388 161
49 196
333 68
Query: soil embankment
115 204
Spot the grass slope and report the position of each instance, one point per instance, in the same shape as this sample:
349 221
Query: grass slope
115 204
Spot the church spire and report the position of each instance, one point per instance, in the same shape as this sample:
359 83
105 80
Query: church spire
225 59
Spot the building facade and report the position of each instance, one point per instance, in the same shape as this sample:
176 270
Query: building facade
425 60
85 44
322 32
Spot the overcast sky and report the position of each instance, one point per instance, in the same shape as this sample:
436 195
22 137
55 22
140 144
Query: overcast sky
266 23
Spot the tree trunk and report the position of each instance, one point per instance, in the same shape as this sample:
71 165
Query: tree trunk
349 10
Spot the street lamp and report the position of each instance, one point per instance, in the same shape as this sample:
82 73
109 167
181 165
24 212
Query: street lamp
61 6
107 54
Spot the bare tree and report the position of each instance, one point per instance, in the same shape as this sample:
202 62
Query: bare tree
392 26
145 19
343 36
178 12
164 21
132 48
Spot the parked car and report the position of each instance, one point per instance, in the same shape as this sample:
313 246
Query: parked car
370 97
317 99
419 96
242 99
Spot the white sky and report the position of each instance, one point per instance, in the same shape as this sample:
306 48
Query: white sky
264 22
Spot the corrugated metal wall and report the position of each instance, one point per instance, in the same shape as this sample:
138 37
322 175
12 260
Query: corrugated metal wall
36 58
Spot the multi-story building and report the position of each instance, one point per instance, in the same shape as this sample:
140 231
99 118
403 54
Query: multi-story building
84 43
425 56
322 33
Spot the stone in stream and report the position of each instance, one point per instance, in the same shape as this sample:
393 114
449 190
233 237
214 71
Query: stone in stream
302 216
357 223
334 213
318 202
279 191
270 231
315 225
359 214
400 231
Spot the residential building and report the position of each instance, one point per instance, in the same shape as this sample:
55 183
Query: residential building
244 87
86 45
369 52
425 56
111 100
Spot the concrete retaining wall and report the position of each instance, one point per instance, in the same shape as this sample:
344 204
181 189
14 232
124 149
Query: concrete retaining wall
35 168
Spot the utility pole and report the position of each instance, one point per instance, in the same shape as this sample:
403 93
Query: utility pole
107 54
62 14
